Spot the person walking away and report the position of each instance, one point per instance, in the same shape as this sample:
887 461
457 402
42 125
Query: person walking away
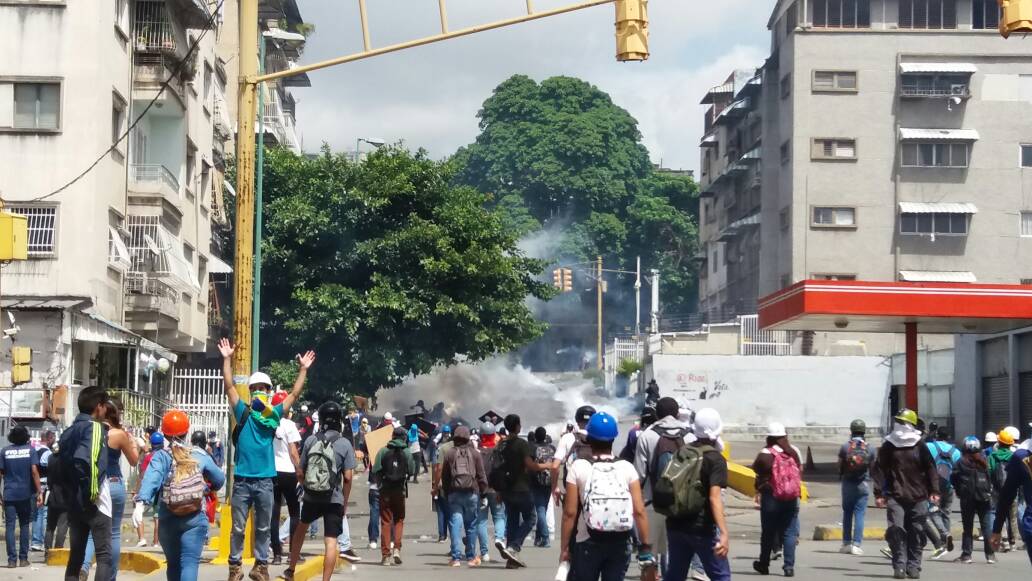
39 515
119 443
1018 482
648 417
511 467
541 486
946 457
215 448
176 482
327 464
157 442
288 474
414 435
999 460
393 465
778 488
494 510
443 442
603 504
854 463
255 459
973 486
22 490
464 482
905 480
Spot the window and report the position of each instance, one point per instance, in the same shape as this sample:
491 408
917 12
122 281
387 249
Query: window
1026 281
1026 155
122 16
842 13
834 149
786 86
118 252
37 106
791 18
834 81
118 106
1026 224
833 277
985 14
716 258
929 14
936 85
191 166
935 154
42 229
786 152
208 73
785 219
934 223
834 217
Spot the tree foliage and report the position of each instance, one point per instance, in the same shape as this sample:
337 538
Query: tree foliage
386 269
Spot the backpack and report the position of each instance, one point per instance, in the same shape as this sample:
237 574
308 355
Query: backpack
944 465
500 477
786 477
543 454
858 458
667 445
980 486
394 471
606 503
58 485
183 495
322 475
678 492
463 468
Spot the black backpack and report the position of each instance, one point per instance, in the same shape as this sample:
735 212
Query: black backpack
973 483
394 469
501 475
543 454
59 485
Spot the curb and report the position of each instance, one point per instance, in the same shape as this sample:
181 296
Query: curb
308 569
135 561
834 533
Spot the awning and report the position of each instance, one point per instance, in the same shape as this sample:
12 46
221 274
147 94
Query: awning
180 270
217 266
118 254
92 328
937 208
45 303
937 276
725 89
709 141
280 34
908 134
968 68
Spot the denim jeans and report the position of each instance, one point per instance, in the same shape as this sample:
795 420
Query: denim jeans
374 515
39 525
117 488
443 517
600 560
854 506
18 513
519 518
542 496
778 519
941 517
82 524
462 520
685 548
182 540
495 511
251 493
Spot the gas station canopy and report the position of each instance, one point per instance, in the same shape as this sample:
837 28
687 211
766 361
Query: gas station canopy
886 307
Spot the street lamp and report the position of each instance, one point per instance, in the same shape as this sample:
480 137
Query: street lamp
374 141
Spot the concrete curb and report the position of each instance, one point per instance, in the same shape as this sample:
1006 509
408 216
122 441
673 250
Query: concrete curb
309 568
135 561
834 533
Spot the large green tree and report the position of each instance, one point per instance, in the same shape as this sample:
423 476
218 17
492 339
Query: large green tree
386 269
560 152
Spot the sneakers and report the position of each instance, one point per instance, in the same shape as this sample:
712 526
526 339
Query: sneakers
442 539
698 575
949 543
276 560
899 574
475 562
36 548
789 572
236 573
515 558
964 559
350 556
25 563
373 545
886 552
913 574
760 568
260 572
396 556
387 561
856 551
141 543
990 560
845 549
288 575
776 554
485 558
511 565
506 553
455 563
940 553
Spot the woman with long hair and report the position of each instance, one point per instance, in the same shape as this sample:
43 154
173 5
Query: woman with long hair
119 443
778 469
177 481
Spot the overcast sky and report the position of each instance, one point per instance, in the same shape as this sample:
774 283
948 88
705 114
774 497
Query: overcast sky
429 96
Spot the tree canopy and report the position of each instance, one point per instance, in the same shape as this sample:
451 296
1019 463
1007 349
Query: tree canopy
386 269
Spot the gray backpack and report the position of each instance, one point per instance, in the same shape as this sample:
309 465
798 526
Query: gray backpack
322 475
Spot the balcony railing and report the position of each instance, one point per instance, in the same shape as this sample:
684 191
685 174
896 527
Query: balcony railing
153 30
154 173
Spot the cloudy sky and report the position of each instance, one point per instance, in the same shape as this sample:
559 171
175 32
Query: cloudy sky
429 96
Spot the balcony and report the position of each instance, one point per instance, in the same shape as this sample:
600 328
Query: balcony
153 30
145 297
154 184
932 80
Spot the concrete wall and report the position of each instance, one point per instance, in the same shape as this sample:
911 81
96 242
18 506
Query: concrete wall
46 334
717 340
801 392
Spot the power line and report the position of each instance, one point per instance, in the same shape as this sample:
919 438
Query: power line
175 73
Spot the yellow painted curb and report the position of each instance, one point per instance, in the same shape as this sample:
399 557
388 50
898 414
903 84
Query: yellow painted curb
743 479
135 561
834 533
307 569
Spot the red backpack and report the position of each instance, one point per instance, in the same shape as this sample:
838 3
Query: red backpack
786 476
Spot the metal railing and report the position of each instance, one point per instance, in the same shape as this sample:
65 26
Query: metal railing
163 297
755 341
153 29
154 173
937 91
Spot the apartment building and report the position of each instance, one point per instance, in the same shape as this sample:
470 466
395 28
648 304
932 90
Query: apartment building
893 146
117 283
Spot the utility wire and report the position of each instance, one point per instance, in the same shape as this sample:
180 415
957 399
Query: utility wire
208 27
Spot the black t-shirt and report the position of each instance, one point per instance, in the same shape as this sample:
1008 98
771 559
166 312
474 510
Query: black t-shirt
516 452
714 473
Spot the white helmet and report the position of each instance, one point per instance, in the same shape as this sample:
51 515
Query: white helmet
259 378
990 438
776 430
388 417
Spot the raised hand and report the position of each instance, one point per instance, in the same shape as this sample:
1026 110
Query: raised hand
307 359
226 348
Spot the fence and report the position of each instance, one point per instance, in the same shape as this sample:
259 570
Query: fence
621 349
200 393
754 341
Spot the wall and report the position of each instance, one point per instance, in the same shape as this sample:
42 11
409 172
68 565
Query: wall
43 332
801 392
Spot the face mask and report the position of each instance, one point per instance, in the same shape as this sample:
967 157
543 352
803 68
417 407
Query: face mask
260 401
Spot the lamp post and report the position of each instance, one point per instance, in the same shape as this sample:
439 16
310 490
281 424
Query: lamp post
375 142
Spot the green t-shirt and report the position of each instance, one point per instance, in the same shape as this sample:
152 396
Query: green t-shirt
255 457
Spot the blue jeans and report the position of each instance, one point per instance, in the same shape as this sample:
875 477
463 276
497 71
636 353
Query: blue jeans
495 511
462 520
600 560
344 538
250 493
117 488
542 496
686 547
519 518
18 513
182 540
854 506
778 519
39 525
374 515
443 517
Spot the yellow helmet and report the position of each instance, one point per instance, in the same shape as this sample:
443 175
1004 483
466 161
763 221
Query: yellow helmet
1005 438
907 417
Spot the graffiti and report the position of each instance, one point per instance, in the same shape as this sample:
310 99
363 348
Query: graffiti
697 387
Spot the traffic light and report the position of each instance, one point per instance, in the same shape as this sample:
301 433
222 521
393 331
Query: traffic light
632 30
567 280
1016 16
21 365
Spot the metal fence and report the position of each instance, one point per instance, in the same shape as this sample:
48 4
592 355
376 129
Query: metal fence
200 393
754 341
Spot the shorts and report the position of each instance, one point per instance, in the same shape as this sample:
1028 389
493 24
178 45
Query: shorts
331 513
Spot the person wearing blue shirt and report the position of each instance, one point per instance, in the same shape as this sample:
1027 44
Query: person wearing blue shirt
1019 480
255 460
182 536
944 454
22 490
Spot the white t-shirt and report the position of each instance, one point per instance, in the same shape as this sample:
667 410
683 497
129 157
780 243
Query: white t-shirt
286 433
565 447
104 497
580 474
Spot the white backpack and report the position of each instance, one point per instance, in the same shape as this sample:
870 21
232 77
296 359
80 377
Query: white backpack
606 503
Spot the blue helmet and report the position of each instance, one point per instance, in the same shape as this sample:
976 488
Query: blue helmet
156 439
446 429
602 427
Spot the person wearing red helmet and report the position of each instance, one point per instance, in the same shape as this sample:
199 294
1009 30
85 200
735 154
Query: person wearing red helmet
178 479
288 474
